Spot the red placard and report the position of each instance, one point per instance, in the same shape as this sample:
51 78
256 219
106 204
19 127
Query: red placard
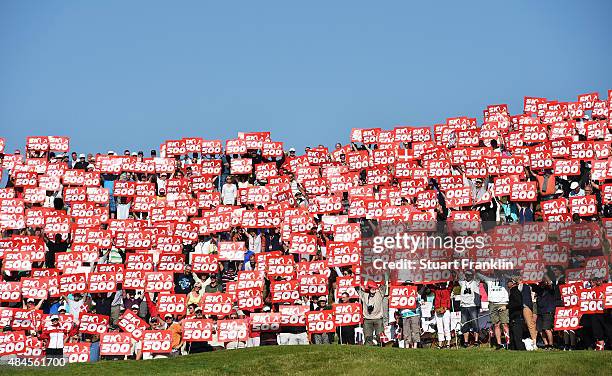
567 318
132 324
91 323
313 285
216 304
12 342
347 314
174 304
293 315
343 254
157 341
303 244
159 281
284 291
401 297
232 330
231 251
320 321
115 344
524 191
197 330
77 352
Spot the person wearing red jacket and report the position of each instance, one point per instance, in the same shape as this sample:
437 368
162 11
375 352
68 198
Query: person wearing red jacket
442 302
53 337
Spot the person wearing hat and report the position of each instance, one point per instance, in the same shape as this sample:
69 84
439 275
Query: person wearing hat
53 337
176 330
81 164
515 313
30 304
372 304
576 190
321 338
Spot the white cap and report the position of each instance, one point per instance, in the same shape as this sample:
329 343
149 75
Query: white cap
134 154
90 166
54 317
110 152
292 149
81 155
574 185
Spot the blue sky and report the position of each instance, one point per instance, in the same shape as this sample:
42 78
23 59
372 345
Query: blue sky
131 74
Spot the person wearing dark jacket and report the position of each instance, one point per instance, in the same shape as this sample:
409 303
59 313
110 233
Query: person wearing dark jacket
515 308
546 310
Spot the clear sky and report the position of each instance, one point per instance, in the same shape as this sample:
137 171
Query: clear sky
131 74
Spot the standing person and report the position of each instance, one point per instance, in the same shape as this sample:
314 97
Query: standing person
346 334
54 337
546 310
411 319
372 301
229 191
442 305
515 310
498 310
81 164
184 282
528 316
177 334
54 246
470 305
321 338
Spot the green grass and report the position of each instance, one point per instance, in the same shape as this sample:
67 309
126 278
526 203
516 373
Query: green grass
353 360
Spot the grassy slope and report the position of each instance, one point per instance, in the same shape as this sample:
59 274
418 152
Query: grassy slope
331 360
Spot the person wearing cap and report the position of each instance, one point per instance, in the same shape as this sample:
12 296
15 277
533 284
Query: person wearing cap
515 313
177 334
30 304
321 338
576 190
470 306
55 335
372 304
81 164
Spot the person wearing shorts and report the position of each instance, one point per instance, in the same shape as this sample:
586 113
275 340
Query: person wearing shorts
498 306
498 313
546 304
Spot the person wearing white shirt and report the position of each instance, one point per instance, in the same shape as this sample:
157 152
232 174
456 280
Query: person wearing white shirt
470 304
229 192
498 306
